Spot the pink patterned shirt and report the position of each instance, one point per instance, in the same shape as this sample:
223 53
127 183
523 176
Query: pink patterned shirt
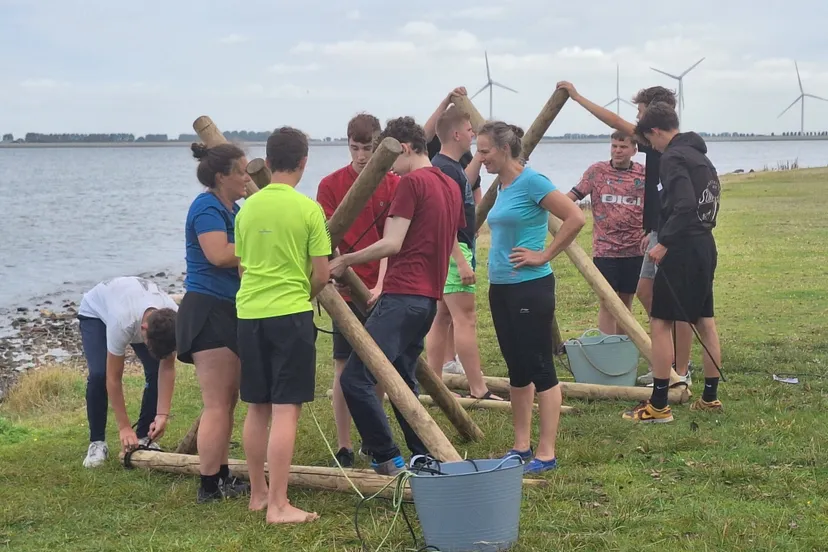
617 197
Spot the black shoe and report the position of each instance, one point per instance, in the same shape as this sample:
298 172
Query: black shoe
345 457
234 487
204 496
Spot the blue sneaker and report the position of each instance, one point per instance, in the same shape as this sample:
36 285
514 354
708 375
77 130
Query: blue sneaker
540 466
525 455
390 467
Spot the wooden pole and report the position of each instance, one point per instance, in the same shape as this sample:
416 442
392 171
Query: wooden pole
189 444
530 140
571 390
211 136
373 357
469 402
363 188
306 477
608 297
376 361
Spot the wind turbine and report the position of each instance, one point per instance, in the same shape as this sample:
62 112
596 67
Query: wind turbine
490 84
618 99
680 79
801 98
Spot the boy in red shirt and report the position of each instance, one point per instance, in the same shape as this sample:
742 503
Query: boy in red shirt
366 230
419 235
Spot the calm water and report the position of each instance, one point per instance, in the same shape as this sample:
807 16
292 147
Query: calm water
74 216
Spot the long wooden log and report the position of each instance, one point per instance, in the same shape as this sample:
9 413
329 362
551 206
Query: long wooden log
483 404
211 136
572 390
609 297
360 294
376 361
530 140
305 477
363 188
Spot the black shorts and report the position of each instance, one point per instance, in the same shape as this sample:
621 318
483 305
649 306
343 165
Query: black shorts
278 359
341 348
204 322
683 284
622 273
523 315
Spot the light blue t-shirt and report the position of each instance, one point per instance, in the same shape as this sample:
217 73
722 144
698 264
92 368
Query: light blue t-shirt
518 220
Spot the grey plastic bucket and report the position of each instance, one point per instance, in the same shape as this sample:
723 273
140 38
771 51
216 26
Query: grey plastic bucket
596 357
470 506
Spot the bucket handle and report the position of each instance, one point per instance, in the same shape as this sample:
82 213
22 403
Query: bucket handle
586 356
618 338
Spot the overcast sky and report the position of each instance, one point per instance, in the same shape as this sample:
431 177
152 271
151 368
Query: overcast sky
151 66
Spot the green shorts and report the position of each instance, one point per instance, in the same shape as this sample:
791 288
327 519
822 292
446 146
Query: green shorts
453 282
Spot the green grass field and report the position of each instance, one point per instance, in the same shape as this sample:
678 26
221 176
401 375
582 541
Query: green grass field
753 478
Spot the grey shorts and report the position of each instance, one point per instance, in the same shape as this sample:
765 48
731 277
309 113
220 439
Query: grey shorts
648 267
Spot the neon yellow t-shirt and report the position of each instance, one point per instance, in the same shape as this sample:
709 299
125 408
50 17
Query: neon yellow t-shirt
277 232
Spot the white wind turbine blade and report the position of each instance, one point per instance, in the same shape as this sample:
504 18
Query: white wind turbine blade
799 78
485 86
610 103
488 73
504 86
790 106
664 73
816 97
692 67
626 102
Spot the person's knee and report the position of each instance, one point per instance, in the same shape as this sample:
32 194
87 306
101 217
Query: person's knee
545 377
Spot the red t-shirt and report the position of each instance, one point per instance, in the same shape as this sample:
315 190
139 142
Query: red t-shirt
432 202
329 195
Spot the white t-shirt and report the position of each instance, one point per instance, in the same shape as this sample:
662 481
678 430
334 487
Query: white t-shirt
121 303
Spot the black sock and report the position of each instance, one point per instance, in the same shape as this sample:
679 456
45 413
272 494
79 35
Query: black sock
210 483
660 389
711 386
224 472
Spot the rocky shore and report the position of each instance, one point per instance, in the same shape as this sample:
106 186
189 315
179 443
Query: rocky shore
46 331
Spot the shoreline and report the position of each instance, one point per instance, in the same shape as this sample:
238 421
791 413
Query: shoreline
343 143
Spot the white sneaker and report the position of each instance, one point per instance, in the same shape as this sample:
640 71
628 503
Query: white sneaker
453 367
96 455
686 379
144 440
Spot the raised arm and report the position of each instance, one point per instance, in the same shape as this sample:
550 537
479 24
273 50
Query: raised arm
430 125
602 114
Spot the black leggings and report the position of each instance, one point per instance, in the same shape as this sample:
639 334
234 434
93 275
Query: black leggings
523 316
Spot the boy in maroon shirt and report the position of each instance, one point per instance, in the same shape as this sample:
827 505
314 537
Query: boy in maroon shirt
366 230
418 238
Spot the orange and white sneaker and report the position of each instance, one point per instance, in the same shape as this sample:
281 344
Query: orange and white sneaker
705 406
646 413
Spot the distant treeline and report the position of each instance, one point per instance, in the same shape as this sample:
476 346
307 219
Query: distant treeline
261 136
233 135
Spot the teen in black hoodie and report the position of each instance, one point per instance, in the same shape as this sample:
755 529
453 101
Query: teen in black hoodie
685 254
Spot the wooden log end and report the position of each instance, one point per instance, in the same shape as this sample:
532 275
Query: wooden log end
391 144
258 171
202 123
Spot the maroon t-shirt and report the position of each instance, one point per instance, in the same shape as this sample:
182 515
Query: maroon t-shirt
431 201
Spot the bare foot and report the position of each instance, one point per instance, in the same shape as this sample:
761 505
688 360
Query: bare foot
290 514
257 503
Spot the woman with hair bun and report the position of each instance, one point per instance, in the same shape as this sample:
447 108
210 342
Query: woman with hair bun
206 324
522 285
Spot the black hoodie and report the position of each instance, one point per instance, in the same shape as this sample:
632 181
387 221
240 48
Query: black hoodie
690 198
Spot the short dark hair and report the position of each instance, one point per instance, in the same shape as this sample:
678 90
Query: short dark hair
363 127
448 120
406 131
212 161
161 333
654 94
286 148
658 116
620 135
